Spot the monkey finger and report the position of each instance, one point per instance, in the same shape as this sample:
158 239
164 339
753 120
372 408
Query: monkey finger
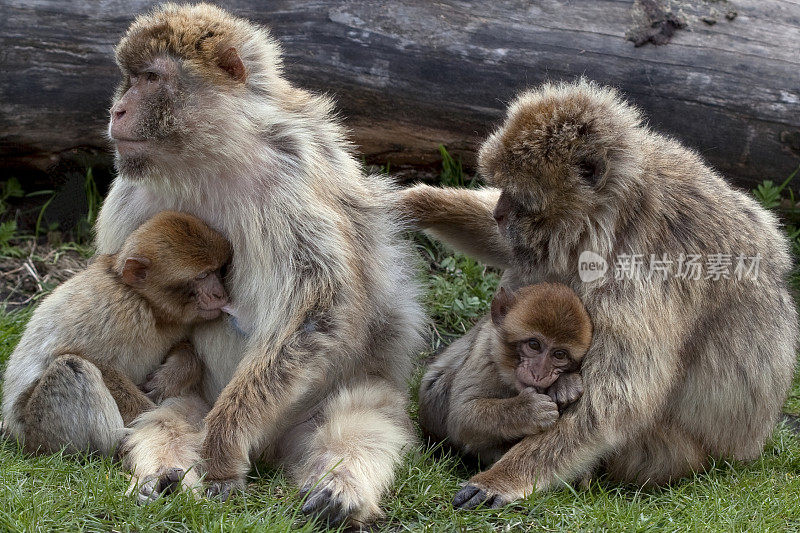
155 396
147 492
469 497
170 481
221 490
323 504
496 502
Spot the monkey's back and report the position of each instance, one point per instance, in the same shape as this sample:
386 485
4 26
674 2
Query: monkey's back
91 315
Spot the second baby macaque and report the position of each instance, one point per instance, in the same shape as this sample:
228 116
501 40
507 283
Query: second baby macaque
523 367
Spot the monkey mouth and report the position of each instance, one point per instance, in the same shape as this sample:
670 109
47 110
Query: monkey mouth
127 146
209 314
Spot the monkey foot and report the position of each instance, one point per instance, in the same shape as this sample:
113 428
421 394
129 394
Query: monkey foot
156 485
321 502
472 496
223 489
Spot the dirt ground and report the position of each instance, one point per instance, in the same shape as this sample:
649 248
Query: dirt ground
38 270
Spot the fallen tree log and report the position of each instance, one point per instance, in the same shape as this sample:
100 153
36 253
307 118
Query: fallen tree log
722 76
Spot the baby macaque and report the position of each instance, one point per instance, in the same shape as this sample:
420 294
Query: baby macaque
545 332
71 381
522 368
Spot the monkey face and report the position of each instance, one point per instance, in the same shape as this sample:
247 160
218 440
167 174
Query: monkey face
540 362
562 161
543 331
209 295
174 260
148 116
183 80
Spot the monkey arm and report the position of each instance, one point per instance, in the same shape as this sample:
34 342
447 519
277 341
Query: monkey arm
481 423
461 218
274 374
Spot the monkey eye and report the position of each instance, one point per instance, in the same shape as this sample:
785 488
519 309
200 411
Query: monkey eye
151 76
202 275
535 345
560 354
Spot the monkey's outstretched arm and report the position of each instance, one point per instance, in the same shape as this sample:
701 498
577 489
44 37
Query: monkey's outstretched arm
461 218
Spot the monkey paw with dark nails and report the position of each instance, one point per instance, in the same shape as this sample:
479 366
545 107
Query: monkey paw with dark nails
156 485
471 496
321 503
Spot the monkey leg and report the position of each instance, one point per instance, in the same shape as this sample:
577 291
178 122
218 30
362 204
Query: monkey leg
436 388
434 403
131 401
162 448
345 458
70 406
658 456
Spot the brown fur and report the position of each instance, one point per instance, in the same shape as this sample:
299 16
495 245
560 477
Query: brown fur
679 370
552 309
71 381
202 36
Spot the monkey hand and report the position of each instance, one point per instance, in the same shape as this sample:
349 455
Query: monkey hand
169 380
540 412
566 390
473 494
158 385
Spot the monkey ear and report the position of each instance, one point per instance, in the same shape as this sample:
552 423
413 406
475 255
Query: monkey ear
230 62
134 272
502 302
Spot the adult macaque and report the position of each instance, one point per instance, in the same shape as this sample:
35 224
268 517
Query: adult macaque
71 381
313 373
682 368
487 394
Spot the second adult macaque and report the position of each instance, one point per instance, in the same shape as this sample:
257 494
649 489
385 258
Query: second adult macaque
682 369
522 366
72 379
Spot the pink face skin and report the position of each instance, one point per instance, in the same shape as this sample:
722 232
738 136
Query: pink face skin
138 117
541 362
211 296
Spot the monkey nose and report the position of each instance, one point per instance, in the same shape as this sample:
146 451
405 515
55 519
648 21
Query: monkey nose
117 113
